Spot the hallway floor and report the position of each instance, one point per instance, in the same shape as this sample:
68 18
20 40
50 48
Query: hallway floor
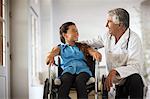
73 95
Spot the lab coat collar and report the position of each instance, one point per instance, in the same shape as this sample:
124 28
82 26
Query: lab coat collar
123 38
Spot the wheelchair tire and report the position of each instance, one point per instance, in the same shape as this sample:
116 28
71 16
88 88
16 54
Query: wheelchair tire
46 89
104 92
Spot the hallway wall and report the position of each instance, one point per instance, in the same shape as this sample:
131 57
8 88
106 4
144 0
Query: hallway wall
22 86
19 49
90 15
145 20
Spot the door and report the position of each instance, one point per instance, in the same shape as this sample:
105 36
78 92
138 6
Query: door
35 88
4 60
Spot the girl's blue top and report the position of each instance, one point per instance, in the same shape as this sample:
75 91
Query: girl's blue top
73 60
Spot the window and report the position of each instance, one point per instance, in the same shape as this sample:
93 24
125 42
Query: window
2 32
35 47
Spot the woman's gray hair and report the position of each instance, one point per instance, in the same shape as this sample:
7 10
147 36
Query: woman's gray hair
120 15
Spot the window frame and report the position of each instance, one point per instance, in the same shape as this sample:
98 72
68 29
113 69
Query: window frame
35 47
3 19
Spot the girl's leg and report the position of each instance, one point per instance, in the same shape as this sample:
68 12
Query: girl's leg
80 81
66 80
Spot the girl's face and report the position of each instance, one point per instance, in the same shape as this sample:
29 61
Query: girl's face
72 34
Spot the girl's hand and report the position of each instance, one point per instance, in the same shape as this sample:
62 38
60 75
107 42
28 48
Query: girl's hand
50 59
97 56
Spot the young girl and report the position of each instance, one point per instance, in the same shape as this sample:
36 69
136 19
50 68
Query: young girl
75 66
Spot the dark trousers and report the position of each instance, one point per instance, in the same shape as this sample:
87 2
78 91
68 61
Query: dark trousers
133 88
68 79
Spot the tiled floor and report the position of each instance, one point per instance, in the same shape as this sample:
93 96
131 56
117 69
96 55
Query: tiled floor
73 95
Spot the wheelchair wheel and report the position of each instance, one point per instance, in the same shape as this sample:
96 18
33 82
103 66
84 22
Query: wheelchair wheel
53 95
54 92
46 89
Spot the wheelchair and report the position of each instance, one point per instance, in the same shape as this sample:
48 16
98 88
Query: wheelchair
51 85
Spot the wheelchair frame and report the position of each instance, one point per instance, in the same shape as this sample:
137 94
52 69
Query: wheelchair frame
52 94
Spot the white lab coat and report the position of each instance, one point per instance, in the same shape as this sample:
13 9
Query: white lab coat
126 61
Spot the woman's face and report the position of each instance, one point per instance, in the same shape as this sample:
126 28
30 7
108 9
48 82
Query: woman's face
72 34
112 27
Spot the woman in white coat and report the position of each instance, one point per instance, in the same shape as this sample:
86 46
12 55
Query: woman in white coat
124 56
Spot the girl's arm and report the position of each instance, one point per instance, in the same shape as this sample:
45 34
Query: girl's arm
50 57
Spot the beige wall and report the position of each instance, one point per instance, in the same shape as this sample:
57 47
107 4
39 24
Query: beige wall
145 20
19 48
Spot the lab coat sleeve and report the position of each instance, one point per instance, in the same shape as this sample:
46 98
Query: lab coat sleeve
135 59
96 42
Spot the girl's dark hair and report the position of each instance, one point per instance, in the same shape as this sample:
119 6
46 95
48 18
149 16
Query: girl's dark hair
63 29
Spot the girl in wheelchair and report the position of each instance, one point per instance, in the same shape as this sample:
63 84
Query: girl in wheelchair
75 65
